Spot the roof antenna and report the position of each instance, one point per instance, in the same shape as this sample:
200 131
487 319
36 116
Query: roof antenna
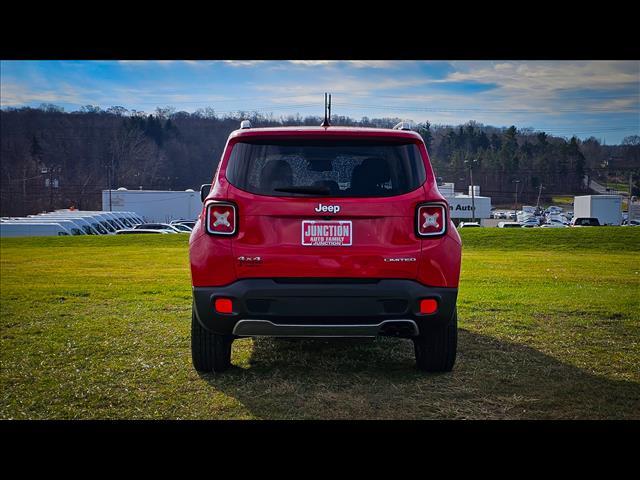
327 108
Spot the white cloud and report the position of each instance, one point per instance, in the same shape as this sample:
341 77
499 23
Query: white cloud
313 63
377 63
351 63
13 95
243 63
549 77
146 63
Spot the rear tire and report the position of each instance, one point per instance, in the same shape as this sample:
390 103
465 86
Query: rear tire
210 352
436 348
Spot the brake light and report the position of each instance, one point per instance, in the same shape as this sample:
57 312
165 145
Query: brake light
428 306
221 218
223 305
431 219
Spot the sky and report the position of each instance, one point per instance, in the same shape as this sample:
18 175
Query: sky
564 98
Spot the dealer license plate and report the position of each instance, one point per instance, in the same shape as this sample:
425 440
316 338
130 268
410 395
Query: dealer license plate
327 233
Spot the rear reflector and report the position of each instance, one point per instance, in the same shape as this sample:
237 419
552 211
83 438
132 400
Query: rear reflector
428 305
223 305
432 220
221 218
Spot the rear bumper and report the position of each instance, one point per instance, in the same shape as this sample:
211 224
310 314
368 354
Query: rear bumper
257 328
323 307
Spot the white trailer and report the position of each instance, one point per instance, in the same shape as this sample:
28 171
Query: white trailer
22 229
606 208
159 206
460 206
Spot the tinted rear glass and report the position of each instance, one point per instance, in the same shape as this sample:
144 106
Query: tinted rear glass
339 168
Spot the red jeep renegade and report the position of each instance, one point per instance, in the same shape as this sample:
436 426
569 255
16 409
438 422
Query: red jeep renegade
324 232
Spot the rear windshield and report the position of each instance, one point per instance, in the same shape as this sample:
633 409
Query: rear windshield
332 168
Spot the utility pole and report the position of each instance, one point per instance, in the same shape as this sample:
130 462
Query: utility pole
51 169
515 207
473 197
110 176
471 164
51 189
538 202
109 184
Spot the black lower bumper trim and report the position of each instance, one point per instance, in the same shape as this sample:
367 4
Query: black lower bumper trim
309 303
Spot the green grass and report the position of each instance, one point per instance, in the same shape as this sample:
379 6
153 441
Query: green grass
98 327
562 200
621 186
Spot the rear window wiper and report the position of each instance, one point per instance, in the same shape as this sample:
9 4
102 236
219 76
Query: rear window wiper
312 190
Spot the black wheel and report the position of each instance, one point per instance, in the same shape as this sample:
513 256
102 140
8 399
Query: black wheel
436 347
210 352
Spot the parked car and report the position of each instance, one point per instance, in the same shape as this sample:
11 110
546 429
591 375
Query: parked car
554 210
509 225
553 225
141 230
530 222
157 226
189 223
324 232
468 224
182 227
561 220
585 222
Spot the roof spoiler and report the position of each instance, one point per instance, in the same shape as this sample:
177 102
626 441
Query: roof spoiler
402 126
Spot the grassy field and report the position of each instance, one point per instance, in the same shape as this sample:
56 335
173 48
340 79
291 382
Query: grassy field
563 201
98 327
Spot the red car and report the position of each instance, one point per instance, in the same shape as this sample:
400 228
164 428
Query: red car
324 232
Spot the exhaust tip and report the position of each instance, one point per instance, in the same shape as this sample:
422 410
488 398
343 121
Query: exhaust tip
401 328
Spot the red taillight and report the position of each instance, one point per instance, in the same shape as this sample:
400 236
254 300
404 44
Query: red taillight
223 305
428 305
432 219
221 218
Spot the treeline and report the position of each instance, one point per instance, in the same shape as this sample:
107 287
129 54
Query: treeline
53 159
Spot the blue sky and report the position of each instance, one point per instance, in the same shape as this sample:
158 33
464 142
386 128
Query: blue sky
583 98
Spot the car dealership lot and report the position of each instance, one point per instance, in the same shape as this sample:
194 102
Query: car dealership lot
98 327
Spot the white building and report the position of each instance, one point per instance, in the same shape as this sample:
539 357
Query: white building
155 205
460 204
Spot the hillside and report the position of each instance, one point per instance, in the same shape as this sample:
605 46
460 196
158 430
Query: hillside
52 159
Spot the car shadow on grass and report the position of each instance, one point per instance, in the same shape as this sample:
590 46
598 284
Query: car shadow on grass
377 379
